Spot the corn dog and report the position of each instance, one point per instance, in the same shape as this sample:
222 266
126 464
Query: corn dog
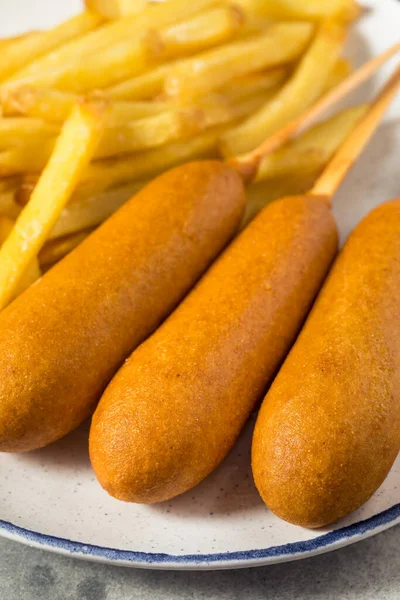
329 428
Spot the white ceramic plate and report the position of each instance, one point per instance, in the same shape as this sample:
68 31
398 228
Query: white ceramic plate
50 498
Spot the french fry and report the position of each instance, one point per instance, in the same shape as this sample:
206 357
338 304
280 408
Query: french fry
310 152
15 131
116 62
32 272
143 87
340 71
205 30
24 50
55 106
107 173
128 29
300 92
28 158
73 151
249 85
55 250
281 43
47 104
115 9
92 210
346 10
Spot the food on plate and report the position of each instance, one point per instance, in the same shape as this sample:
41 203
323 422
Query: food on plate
329 428
176 406
63 339
73 151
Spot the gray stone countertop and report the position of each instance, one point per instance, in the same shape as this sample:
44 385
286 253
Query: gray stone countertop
369 570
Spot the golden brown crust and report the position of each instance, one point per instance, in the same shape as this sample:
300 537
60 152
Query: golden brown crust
329 428
64 338
177 405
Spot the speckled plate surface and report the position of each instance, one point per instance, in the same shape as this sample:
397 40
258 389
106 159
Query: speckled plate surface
50 498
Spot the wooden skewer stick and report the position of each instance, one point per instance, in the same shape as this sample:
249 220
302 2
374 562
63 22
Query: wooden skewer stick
247 164
345 157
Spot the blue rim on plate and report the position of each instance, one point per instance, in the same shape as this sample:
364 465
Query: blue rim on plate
317 545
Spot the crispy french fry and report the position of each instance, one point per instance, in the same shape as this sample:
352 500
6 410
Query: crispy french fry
47 104
142 87
115 9
23 51
74 149
55 250
32 272
310 152
346 10
262 193
128 29
205 30
340 71
55 106
106 173
8 206
28 158
92 210
15 131
121 60
300 92
281 43
249 85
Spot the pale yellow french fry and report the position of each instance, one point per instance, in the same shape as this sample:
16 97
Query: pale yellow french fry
106 173
32 272
92 210
262 193
142 87
281 43
114 63
256 83
73 151
205 30
47 104
115 9
127 29
300 92
340 71
15 131
27 158
55 250
346 10
121 112
55 106
23 51
310 152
